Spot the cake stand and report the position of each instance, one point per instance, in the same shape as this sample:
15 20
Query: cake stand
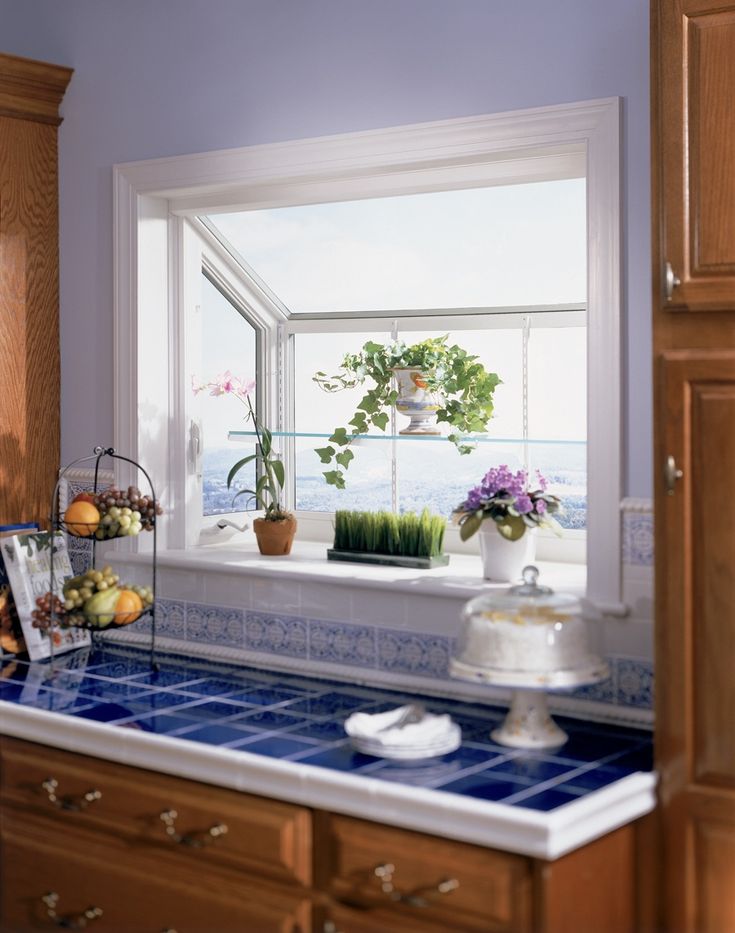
532 640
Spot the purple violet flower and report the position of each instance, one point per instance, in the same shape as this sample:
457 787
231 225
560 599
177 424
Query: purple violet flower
523 504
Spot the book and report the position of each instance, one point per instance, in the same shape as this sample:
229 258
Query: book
27 561
11 636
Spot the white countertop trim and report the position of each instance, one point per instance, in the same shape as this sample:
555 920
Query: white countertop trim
510 828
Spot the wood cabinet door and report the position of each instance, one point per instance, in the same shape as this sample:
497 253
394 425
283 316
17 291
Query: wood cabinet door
693 78
695 640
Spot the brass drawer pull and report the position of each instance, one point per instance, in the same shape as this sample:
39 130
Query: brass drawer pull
70 922
50 785
195 840
419 897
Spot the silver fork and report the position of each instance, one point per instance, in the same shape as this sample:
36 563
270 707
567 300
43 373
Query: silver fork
415 712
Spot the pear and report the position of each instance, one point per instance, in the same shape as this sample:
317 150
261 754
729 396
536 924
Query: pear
99 609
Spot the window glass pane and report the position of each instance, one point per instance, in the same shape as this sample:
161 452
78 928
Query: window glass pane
228 342
483 247
318 412
429 470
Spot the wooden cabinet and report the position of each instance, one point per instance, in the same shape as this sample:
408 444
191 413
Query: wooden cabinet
693 185
30 94
82 840
694 78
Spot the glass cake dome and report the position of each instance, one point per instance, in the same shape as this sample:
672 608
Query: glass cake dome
533 639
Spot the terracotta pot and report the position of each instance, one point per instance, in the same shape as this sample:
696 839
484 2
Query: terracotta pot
275 538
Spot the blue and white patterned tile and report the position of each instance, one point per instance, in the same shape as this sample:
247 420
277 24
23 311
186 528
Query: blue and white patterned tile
282 635
638 539
171 618
80 553
413 653
634 680
602 692
215 625
342 643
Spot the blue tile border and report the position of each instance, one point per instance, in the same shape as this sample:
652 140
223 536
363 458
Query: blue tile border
354 645
638 539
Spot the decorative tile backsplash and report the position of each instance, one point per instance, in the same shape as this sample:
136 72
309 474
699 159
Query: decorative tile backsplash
348 645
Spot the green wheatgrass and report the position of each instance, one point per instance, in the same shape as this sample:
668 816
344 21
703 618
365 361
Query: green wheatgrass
407 535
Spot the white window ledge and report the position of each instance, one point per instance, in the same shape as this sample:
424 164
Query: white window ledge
308 562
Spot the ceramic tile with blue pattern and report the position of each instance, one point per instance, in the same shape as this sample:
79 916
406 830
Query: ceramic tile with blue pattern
58 701
277 746
264 696
329 704
325 730
638 540
164 723
592 779
107 689
339 757
167 678
120 669
105 712
212 710
602 692
267 720
413 653
342 643
426 773
526 768
221 687
275 634
215 625
157 700
171 618
218 734
547 800
484 786
637 759
10 690
587 747
634 680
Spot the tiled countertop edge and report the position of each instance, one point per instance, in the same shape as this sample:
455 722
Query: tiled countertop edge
540 835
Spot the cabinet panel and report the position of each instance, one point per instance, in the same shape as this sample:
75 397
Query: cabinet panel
128 893
714 852
694 151
425 878
695 636
271 837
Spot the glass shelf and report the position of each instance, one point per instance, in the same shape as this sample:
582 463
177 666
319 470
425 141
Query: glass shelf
358 438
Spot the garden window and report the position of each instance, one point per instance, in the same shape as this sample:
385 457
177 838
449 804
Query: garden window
500 232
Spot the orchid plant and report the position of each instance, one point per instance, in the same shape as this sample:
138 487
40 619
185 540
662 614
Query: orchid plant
505 498
269 485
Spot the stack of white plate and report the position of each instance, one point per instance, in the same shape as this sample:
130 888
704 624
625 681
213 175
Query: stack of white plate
401 736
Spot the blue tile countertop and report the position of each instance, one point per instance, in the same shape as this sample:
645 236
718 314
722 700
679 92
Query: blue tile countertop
281 734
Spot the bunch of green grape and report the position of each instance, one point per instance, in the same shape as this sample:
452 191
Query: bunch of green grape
126 513
78 589
145 593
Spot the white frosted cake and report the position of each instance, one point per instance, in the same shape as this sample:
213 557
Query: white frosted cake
527 636
539 642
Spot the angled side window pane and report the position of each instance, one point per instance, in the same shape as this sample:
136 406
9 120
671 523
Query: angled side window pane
229 342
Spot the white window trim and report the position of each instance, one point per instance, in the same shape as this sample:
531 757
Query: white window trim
150 198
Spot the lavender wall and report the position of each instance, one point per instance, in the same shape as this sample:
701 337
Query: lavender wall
164 77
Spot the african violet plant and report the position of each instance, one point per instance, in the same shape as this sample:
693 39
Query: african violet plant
463 388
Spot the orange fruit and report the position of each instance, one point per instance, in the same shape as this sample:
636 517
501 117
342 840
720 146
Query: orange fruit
81 518
128 607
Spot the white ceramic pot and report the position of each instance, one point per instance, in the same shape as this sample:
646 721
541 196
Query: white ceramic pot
415 401
502 560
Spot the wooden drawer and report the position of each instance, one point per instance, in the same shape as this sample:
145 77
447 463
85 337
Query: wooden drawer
262 835
132 893
433 881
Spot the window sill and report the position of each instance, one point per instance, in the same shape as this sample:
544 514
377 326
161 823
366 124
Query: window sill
307 562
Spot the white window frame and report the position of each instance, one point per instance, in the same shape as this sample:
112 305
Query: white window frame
152 198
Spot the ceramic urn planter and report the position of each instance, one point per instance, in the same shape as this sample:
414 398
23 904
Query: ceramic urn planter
275 537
